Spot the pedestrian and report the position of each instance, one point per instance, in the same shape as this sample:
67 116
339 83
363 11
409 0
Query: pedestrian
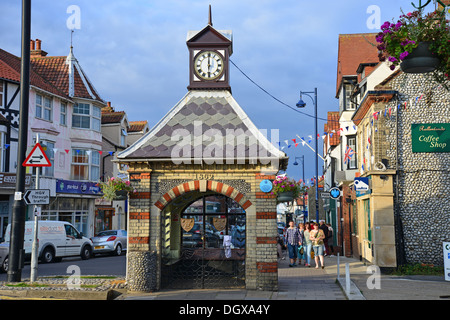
324 228
317 237
307 244
292 241
330 238
301 247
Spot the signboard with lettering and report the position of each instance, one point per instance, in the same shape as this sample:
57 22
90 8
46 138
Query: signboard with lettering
430 137
79 187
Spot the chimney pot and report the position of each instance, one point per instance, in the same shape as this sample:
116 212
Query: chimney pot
32 45
38 44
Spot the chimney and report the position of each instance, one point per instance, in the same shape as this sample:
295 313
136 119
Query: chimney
37 52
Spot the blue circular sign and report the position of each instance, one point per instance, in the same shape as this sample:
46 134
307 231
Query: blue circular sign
266 186
335 193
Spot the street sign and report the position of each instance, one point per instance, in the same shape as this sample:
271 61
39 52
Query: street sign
37 158
325 195
361 184
335 193
37 197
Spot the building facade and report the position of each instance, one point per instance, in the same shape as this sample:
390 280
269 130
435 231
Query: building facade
64 113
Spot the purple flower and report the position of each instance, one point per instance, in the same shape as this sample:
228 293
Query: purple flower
392 59
385 25
403 55
380 37
392 67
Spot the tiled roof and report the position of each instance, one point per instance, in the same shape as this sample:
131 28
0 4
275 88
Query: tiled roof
112 117
353 50
10 70
56 70
137 126
330 126
196 113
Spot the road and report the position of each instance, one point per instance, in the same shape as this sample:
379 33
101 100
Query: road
100 265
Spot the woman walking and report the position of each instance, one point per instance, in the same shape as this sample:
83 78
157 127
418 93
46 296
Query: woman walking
301 248
317 237
307 245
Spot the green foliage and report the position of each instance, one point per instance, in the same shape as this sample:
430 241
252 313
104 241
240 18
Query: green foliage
419 269
397 40
112 185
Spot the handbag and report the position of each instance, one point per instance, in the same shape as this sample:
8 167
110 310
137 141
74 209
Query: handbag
300 250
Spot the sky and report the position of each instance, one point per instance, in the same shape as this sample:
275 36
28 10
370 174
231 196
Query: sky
135 53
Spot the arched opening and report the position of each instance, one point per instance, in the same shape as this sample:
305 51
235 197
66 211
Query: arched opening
203 242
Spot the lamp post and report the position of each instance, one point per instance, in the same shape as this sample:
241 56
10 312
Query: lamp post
303 179
302 104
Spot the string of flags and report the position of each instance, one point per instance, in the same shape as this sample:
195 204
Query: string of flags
375 116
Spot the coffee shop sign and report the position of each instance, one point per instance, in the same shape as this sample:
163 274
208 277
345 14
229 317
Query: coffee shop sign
430 137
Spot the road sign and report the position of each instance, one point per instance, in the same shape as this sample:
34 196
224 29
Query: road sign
335 193
266 186
446 247
37 196
37 158
325 195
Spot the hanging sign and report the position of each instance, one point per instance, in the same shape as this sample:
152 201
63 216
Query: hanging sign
430 137
37 158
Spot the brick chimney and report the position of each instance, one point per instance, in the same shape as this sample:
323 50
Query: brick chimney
36 50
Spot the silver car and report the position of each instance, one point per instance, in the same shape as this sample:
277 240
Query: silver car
4 253
110 241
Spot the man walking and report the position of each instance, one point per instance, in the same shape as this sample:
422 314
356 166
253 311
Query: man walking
293 241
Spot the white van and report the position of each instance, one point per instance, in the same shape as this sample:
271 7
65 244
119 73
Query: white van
57 239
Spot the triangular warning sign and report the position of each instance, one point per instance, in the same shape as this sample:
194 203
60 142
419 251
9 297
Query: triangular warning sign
37 158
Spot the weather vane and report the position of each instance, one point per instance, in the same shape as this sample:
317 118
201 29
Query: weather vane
420 7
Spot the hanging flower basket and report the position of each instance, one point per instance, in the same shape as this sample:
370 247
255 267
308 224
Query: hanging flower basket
421 60
287 196
116 189
286 189
418 44
121 195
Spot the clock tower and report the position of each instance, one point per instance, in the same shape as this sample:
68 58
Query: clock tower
209 52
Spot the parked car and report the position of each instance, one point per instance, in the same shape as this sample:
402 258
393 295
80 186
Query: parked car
57 239
193 238
110 241
281 235
4 253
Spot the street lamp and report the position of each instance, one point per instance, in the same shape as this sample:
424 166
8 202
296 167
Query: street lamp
302 104
302 158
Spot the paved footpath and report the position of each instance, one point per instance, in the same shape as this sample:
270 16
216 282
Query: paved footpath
302 283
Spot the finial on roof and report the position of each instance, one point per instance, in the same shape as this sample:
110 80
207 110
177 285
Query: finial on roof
210 17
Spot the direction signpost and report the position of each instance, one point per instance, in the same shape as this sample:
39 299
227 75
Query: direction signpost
36 158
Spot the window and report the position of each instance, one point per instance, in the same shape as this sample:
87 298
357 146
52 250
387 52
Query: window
123 135
85 165
44 108
95 166
348 104
80 165
48 148
81 116
63 116
96 116
351 142
86 118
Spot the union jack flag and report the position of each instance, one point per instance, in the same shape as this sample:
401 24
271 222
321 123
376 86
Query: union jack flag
348 154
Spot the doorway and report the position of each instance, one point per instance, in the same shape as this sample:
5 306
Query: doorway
204 239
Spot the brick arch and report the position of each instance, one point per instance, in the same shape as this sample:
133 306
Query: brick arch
203 186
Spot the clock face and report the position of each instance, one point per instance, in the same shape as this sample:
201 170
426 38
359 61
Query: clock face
208 65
